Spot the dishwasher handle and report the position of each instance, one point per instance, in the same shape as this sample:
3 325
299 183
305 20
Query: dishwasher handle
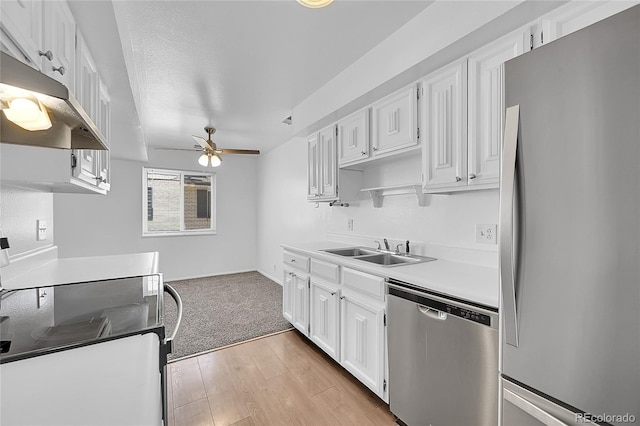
168 342
432 313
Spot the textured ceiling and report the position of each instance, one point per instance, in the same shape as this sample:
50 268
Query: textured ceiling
242 65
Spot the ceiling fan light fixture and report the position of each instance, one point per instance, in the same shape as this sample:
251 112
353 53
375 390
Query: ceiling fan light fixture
215 160
203 160
315 4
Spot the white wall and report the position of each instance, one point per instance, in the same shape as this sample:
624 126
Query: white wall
88 225
286 217
20 208
284 213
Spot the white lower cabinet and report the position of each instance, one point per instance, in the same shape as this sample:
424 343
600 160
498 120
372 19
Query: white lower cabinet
325 317
362 340
342 311
287 296
300 312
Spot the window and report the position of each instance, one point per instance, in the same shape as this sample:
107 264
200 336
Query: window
178 202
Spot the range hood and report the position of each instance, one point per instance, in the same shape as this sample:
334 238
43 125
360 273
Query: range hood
71 127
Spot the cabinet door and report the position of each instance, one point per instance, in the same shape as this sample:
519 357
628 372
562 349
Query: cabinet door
325 317
395 121
287 296
103 169
21 29
87 166
313 167
444 106
486 107
301 303
575 16
362 341
328 162
104 111
59 37
86 79
353 138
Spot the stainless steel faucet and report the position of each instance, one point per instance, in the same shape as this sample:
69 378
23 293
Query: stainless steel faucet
386 244
378 243
398 247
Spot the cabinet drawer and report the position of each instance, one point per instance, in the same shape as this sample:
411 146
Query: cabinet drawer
363 282
325 270
296 260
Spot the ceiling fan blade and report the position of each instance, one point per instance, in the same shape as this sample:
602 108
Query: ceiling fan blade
238 151
202 142
179 149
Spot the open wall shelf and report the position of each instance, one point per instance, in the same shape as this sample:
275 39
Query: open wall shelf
377 194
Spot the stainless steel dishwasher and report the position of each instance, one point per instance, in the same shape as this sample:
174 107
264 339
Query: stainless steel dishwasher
443 359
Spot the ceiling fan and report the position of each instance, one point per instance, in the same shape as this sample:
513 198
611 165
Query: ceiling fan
210 151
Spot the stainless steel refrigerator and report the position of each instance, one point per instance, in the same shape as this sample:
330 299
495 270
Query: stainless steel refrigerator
570 229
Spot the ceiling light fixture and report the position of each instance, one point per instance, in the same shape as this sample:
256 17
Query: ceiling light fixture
204 160
315 4
211 159
215 160
28 113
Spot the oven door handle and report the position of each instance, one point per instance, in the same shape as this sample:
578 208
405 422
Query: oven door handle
175 296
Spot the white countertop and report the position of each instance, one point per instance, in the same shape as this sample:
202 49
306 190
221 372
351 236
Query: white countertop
85 269
474 283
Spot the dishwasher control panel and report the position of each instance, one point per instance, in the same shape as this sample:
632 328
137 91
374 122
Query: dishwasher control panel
468 314
458 311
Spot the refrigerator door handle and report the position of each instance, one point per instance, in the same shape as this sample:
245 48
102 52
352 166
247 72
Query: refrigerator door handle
532 409
506 225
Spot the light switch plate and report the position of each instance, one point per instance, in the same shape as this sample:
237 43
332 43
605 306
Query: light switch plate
42 230
487 233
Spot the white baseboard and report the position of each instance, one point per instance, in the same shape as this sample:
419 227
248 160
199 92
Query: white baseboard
272 278
191 277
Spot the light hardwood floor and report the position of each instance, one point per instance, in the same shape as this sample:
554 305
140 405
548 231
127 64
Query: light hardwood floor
277 380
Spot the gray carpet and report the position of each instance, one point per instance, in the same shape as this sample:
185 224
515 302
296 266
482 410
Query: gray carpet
222 310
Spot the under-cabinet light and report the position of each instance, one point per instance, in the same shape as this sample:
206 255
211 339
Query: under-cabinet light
28 113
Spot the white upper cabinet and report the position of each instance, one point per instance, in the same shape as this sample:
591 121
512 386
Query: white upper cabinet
486 106
103 116
313 167
354 138
86 78
444 106
86 166
59 43
328 162
395 121
322 165
21 30
574 16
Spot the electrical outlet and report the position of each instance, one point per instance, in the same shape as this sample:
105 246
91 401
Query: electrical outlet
43 296
350 224
42 230
487 233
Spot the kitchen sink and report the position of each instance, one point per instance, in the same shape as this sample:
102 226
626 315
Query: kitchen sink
352 251
379 257
388 259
